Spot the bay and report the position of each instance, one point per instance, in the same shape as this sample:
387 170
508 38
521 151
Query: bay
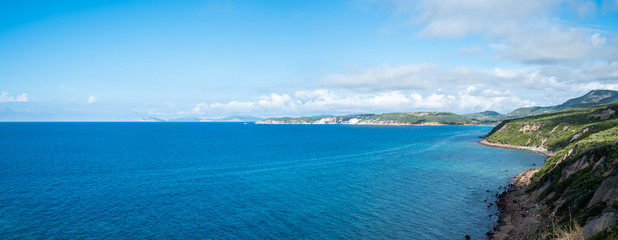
247 181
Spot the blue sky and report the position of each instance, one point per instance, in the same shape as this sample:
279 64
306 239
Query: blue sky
126 60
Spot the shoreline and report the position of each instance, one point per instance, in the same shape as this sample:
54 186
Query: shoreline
516 208
542 151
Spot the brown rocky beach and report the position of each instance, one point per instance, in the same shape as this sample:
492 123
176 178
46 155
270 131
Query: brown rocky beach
517 209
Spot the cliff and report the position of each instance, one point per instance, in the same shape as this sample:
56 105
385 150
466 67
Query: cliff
579 184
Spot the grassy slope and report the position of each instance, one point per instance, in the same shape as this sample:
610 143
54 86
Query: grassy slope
582 137
592 98
413 118
554 130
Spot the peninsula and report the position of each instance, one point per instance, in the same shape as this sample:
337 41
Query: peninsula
592 98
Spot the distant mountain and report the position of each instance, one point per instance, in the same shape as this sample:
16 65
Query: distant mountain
151 119
404 118
241 118
490 116
323 115
187 119
527 111
593 98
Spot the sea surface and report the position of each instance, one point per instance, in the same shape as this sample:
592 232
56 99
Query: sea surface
247 181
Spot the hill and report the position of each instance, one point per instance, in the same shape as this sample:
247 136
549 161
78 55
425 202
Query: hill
405 118
592 98
579 184
485 116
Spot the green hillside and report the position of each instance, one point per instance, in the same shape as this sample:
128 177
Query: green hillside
580 182
592 98
445 118
405 118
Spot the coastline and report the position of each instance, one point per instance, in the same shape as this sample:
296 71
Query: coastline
517 209
542 151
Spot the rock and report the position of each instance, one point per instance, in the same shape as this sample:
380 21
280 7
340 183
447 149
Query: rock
607 190
489 233
467 236
599 223
514 200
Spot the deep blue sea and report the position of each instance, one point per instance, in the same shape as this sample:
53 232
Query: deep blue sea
246 181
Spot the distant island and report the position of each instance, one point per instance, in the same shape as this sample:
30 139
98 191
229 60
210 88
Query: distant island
592 98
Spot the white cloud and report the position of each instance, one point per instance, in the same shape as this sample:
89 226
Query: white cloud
4 97
320 101
601 71
413 88
92 99
596 85
527 31
273 102
413 76
454 19
554 44
504 73
471 50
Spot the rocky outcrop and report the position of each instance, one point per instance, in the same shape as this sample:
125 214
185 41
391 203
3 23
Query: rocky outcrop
607 191
600 223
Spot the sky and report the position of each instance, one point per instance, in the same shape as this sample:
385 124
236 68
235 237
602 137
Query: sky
110 60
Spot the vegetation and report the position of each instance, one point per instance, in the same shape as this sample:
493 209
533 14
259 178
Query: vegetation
406 118
592 98
557 130
585 142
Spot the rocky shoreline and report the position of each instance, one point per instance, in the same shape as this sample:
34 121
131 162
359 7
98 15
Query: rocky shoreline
518 211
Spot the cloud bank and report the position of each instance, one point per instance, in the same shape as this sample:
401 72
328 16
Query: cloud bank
321 101
4 97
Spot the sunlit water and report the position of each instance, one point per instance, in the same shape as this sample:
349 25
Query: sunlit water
237 181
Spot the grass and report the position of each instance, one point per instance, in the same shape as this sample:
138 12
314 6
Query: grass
586 145
570 233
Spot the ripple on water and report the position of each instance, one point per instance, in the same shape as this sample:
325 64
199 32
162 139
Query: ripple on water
231 181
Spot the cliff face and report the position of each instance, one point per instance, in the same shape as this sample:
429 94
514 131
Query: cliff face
580 182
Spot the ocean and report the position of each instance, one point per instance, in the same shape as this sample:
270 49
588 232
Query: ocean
246 181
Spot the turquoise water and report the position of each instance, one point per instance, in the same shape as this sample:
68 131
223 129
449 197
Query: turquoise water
236 181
